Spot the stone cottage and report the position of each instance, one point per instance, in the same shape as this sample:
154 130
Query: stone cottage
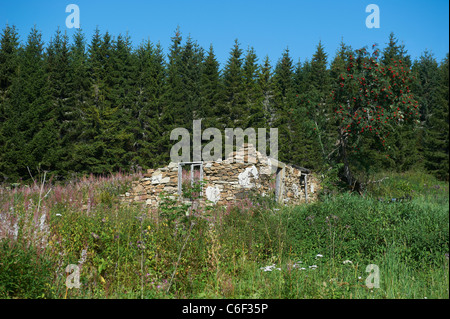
227 181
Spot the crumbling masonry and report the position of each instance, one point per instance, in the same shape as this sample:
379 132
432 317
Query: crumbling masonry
228 181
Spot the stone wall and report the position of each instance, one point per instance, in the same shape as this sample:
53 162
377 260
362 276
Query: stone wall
230 180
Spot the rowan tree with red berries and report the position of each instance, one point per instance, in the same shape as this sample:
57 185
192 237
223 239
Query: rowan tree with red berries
371 99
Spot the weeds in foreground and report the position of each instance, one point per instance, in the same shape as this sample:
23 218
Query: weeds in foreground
255 250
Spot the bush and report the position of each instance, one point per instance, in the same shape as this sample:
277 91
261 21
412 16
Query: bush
350 226
24 271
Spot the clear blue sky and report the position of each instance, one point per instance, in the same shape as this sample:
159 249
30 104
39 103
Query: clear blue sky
268 26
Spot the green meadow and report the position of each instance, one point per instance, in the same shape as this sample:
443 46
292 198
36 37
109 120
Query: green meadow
256 249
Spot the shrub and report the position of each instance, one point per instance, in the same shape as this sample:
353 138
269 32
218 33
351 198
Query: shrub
25 272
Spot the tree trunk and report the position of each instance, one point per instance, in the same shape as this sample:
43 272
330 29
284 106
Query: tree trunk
343 144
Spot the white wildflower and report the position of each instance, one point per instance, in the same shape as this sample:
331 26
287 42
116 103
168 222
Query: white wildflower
347 262
269 268
313 267
319 256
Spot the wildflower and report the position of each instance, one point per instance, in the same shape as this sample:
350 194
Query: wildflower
313 267
347 262
95 235
269 268
319 256
58 215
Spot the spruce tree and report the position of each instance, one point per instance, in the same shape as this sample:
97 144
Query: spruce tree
254 96
9 59
234 114
29 128
211 91
147 110
265 87
405 138
100 148
284 106
80 84
435 85
59 71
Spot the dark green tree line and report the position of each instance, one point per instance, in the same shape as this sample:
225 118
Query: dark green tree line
80 106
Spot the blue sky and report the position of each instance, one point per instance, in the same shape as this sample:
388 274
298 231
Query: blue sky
269 26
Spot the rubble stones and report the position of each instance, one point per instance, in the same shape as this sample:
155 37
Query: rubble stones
229 180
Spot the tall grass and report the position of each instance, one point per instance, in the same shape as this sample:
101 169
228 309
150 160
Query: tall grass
252 250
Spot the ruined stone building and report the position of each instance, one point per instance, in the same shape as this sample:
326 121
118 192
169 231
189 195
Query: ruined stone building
227 181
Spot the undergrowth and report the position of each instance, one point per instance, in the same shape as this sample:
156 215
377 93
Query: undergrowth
253 250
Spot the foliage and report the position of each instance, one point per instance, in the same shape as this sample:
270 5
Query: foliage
100 105
255 249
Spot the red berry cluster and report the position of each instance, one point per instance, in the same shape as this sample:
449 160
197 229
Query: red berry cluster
373 98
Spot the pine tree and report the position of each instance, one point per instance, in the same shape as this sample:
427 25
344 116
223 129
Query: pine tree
234 114
29 128
191 62
123 96
100 148
314 101
58 70
174 101
147 110
265 87
254 96
80 85
211 91
9 59
394 51
284 106
434 97
405 138
183 89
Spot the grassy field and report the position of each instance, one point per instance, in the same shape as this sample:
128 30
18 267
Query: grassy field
256 250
